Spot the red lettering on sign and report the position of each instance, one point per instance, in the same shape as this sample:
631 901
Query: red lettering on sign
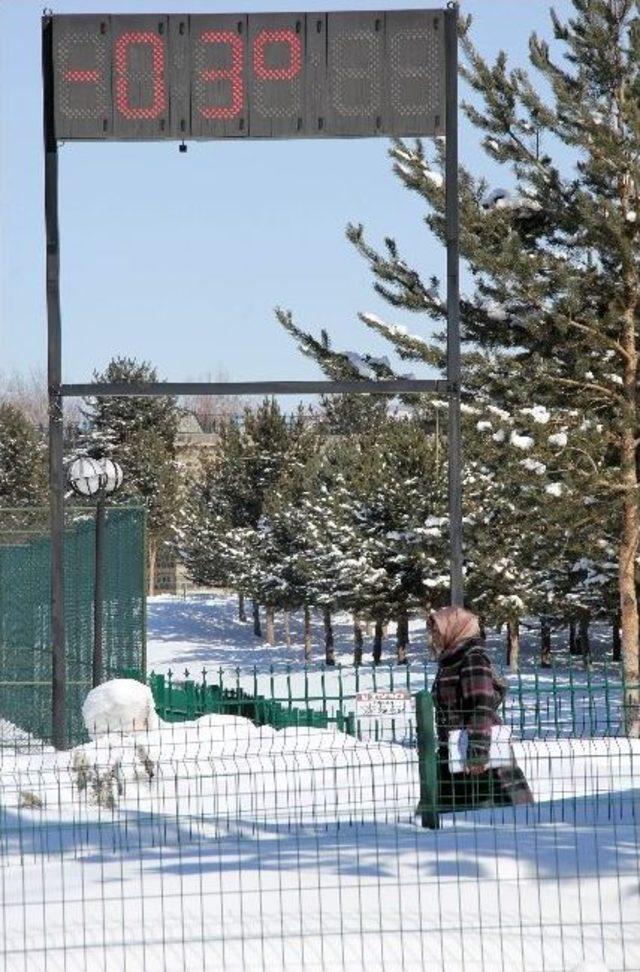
80 77
233 74
123 102
285 36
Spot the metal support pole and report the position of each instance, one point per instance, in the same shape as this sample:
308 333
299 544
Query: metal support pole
453 305
427 808
54 378
145 585
354 386
98 595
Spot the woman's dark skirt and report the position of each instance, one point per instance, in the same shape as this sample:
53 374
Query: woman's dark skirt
505 786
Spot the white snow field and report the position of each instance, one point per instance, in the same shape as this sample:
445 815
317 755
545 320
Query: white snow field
201 635
214 845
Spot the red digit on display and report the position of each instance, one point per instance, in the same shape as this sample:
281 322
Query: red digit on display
232 74
123 103
82 89
285 36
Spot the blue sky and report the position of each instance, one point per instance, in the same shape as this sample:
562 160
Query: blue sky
181 258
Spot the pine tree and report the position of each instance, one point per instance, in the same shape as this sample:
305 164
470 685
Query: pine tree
374 512
329 510
140 434
523 527
219 507
219 502
23 476
560 259
401 516
281 553
267 436
202 524
342 414
518 469
223 536
554 260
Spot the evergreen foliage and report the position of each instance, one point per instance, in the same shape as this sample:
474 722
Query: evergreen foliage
219 531
553 321
140 434
23 475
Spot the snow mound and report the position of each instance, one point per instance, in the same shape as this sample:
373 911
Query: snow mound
221 765
120 705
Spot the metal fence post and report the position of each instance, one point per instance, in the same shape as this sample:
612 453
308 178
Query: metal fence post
454 445
427 761
97 665
157 685
54 380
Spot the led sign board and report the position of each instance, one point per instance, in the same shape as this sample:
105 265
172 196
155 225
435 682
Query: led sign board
282 75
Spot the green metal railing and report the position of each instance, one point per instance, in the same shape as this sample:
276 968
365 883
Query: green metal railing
555 705
559 703
180 701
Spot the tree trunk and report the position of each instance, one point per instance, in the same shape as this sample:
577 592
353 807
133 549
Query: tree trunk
483 630
513 644
255 609
630 526
545 643
287 628
402 637
628 600
307 633
242 614
617 643
574 647
583 638
153 556
357 641
271 625
377 643
329 650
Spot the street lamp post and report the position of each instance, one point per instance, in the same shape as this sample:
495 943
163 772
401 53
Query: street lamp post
97 478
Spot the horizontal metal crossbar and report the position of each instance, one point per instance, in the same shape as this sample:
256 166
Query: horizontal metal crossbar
396 386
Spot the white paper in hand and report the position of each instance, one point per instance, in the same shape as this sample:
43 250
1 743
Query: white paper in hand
499 753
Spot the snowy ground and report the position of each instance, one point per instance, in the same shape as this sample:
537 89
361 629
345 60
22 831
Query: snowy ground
250 849
202 636
203 630
216 845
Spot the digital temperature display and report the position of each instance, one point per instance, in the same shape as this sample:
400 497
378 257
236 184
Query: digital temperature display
258 75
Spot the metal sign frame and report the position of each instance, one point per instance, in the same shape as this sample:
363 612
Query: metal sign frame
58 390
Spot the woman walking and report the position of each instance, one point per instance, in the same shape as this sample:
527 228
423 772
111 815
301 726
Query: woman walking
467 695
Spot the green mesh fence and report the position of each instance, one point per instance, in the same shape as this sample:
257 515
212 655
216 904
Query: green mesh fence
181 701
25 621
565 701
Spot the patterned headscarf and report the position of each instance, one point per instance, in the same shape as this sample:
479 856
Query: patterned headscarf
455 625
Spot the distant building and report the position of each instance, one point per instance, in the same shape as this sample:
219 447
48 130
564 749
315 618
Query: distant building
192 445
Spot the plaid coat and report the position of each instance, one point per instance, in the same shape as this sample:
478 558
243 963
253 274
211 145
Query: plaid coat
467 694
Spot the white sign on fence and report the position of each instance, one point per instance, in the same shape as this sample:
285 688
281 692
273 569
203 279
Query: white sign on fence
381 705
